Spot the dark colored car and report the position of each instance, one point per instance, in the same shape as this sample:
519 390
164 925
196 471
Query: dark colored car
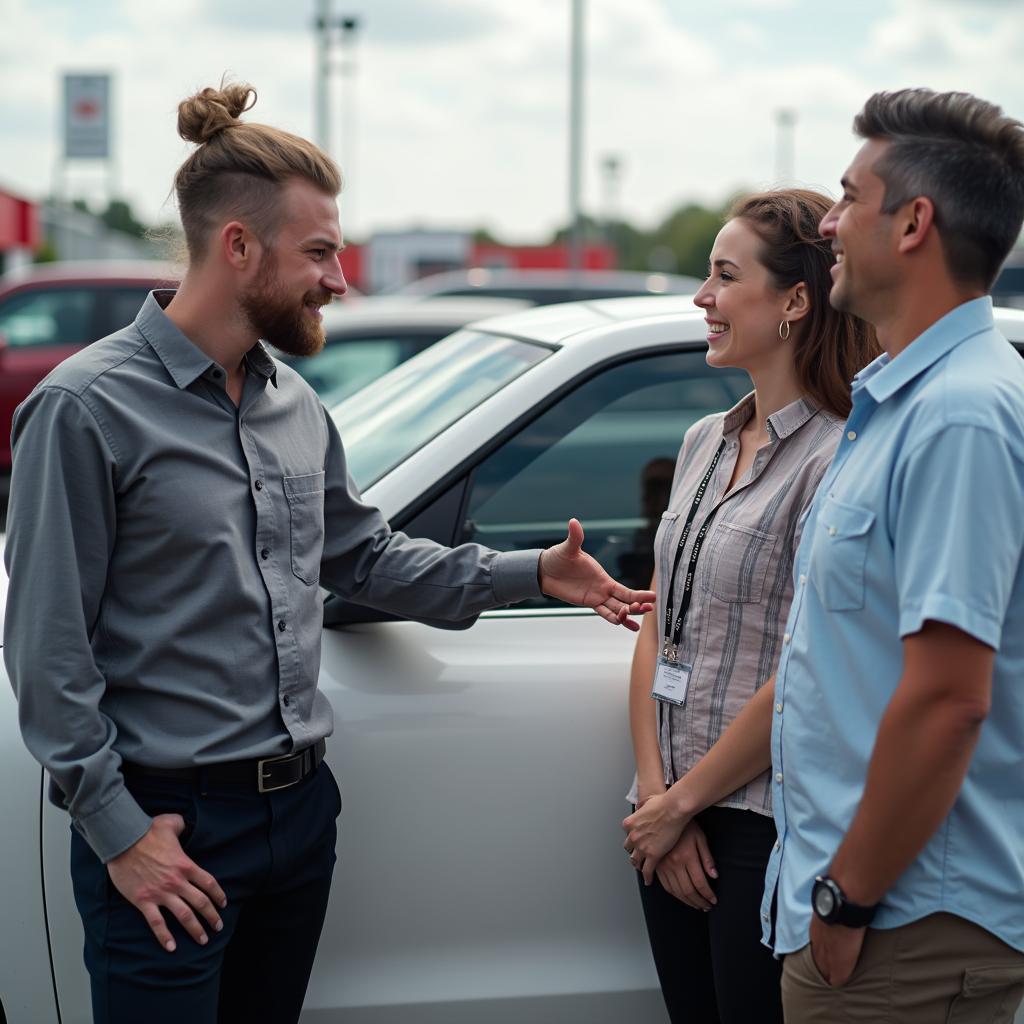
544 287
1009 287
48 312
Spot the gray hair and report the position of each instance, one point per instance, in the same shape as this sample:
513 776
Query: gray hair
963 154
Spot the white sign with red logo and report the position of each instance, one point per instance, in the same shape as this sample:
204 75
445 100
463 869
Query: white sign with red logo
87 116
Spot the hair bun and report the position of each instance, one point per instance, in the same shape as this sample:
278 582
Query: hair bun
203 115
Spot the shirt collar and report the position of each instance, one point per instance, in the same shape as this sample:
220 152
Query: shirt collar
259 360
781 424
883 377
184 360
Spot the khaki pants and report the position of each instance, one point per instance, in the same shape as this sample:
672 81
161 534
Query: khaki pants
939 970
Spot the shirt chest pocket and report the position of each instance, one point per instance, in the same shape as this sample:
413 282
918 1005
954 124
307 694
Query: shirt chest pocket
305 496
738 563
839 556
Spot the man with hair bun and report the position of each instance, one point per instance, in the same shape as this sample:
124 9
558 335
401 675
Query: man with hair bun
178 500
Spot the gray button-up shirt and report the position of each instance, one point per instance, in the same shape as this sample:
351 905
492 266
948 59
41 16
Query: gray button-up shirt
166 551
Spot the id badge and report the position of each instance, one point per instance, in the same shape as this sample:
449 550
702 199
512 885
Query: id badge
671 681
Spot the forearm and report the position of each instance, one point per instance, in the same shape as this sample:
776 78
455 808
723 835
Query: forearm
922 751
742 753
643 710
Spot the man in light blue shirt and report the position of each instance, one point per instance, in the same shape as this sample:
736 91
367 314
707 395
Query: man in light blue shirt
898 717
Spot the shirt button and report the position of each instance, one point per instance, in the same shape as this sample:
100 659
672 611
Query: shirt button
778 845
258 485
778 777
778 708
287 700
851 435
803 579
765 918
786 637
831 531
282 625
265 553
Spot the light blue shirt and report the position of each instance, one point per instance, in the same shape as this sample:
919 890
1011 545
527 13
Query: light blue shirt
920 516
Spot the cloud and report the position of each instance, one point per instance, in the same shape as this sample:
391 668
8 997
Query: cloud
461 106
392 22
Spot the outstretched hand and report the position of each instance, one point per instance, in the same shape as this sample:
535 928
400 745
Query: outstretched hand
568 573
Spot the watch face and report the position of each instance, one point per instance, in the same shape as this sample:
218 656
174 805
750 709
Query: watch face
824 900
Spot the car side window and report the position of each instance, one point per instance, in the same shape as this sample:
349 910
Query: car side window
57 316
116 308
604 453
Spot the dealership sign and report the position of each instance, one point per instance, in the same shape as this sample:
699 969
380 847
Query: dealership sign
87 116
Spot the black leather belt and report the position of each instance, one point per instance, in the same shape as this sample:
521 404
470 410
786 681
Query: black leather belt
266 774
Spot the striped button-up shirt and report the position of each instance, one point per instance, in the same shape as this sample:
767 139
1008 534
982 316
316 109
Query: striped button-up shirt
733 632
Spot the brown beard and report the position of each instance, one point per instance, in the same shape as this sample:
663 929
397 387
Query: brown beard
277 319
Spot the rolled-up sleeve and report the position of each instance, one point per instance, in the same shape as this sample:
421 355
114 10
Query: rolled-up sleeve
416 578
61 529
959 534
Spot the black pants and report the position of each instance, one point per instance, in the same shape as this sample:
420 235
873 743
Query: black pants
712 966
273 855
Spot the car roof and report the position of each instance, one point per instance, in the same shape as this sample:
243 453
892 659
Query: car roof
559 324
91 272
407 312
570 323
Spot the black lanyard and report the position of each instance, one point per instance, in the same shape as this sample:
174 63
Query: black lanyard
674 631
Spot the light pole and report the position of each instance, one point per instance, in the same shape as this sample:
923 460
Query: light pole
335 33
322 37
576 138
785 145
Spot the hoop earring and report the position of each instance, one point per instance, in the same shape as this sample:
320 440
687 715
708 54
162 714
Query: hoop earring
784 330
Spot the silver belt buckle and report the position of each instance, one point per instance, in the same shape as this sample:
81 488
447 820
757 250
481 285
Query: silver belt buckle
260 776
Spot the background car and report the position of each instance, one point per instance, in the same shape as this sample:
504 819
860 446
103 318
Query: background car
1009 287
369 336
51 310
544 287
480 869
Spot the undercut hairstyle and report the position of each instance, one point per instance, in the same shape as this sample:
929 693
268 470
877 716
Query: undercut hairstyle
963 154
239 168
829 347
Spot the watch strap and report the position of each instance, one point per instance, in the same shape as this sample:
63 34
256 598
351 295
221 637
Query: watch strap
845 912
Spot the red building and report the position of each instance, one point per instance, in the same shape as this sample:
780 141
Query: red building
20 234
595 256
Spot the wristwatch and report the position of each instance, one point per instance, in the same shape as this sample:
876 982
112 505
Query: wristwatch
832 906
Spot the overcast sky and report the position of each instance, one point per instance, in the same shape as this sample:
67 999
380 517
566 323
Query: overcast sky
460 106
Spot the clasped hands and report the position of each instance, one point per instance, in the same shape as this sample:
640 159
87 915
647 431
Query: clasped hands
568 573
662 840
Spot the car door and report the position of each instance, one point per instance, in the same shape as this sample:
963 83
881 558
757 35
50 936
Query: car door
480 870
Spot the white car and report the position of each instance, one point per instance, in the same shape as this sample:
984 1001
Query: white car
480 871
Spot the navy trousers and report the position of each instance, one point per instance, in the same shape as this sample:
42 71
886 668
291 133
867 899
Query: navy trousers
273 855
712 966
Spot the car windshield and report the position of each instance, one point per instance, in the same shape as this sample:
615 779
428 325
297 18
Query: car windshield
395 416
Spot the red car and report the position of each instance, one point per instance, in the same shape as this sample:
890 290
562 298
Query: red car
49 311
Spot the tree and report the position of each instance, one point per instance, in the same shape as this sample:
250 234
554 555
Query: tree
119 217
689 232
